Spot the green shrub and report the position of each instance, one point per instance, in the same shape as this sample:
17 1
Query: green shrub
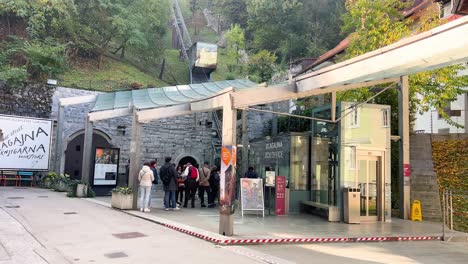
123 190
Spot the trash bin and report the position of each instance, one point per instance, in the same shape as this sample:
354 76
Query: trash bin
351 205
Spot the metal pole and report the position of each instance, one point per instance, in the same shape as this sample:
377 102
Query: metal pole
451 209
87 151
134 158
404 158
59 139
443 215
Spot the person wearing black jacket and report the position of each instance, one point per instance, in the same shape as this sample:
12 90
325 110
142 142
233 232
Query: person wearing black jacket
214 187
168 176
251 173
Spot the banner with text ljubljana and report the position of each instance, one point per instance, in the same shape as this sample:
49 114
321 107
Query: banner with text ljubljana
24 143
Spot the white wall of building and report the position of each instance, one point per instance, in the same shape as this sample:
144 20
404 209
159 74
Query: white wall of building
430 122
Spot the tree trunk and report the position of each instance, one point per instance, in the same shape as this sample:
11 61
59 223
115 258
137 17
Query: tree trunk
162 69
100 60
122 53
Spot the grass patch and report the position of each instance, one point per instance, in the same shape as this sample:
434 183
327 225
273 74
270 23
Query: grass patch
112 76
176 70
451 165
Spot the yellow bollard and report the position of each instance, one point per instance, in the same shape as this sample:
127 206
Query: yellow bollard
416 213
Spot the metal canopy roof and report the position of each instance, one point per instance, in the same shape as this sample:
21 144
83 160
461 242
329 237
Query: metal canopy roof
165 96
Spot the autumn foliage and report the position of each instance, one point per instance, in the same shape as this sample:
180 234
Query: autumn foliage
451 165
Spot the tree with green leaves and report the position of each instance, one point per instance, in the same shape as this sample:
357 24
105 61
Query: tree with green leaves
235 42
138 25
375 24
262 65
233 11
294 28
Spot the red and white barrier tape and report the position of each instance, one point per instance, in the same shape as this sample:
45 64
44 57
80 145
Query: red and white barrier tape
299 240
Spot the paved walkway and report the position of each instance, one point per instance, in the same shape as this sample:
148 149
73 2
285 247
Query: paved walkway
292 226
43 226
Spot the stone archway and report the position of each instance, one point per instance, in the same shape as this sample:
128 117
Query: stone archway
183 159
74 151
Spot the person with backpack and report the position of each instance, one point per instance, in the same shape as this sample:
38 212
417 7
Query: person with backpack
145 177
168 175
214 187
204 185
191 173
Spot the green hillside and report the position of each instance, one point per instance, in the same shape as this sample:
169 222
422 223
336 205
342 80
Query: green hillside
112 76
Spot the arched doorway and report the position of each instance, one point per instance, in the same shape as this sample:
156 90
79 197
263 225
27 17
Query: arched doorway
74 151
186 160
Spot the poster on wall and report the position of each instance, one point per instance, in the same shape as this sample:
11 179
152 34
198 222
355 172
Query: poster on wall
106 164
228 180
24 143
252 195
270 178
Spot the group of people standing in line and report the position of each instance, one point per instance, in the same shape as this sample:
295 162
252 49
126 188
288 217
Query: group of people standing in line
186 179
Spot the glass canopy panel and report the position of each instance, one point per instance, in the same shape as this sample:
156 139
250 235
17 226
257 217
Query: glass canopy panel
141 100
201 89
123 99
223 84
158 96
187 91
236 84
212 87
247 83
104 101
174 94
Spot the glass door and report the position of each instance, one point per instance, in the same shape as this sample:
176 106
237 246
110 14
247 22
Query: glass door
368 180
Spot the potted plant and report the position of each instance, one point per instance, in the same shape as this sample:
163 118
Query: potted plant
122 198
49 180
61 184
77 188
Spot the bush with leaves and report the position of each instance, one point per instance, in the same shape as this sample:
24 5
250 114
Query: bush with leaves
262 66
123 190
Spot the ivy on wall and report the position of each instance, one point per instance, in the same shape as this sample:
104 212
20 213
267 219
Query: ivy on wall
451 165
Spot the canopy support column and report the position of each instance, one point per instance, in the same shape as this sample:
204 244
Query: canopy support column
87 150
245 143
404 158
333 106
226 221
134 158
59 139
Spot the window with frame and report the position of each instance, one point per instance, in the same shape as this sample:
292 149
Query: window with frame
352 158
385 117
354 118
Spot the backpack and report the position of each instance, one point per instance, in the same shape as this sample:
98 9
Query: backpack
192 173
165 175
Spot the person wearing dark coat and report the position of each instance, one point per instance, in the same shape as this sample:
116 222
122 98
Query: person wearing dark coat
251 173
168 176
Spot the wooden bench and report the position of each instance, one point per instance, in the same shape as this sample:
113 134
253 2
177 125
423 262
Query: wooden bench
332 213
6 176
25 176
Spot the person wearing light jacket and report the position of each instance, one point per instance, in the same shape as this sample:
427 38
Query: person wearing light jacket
146 178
